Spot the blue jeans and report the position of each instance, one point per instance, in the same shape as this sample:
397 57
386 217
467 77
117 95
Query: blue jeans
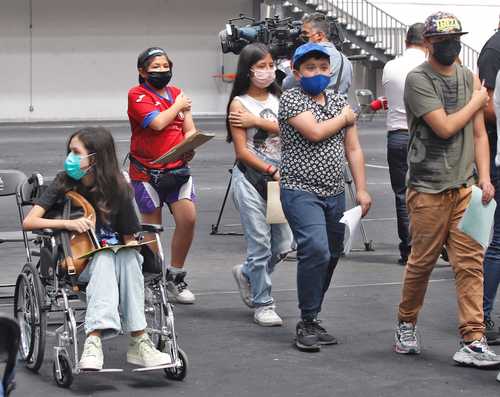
115 286
492 257
397 149
266 243
320 239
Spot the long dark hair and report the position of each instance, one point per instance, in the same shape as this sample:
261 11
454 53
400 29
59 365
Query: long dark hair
109 185
249 56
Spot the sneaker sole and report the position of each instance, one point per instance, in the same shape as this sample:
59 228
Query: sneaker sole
137 361
91 368
307 349
410 352
240 289
466 360
273 324
333 342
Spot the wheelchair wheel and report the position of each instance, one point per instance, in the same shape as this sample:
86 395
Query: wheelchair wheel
178 373
28 311
66 378
152 308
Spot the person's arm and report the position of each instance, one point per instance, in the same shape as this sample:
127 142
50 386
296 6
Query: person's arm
489 110
482 157
356 160
189 129
447 125
242 118
315 131
34 221
242 152
181 104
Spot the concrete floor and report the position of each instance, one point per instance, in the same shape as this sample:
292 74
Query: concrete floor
229 355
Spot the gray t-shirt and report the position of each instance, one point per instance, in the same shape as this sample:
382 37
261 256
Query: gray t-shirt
436 164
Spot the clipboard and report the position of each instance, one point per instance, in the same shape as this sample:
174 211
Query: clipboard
114 248
197 139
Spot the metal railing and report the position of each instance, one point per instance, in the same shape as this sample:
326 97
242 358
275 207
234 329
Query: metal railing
386 34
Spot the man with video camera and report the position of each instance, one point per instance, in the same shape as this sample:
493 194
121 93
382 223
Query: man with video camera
316 29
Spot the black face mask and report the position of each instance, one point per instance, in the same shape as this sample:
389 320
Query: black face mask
446 51
159 79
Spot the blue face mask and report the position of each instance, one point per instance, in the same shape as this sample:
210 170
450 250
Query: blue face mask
314 85
72 166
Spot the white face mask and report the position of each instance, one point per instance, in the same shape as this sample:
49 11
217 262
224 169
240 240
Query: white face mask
263 78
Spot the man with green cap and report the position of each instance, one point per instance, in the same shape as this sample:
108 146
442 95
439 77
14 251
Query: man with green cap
444 104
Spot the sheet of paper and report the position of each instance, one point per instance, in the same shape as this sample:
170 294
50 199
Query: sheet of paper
477 220
274 212
197 139
351 219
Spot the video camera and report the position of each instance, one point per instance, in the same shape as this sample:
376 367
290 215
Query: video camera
282 36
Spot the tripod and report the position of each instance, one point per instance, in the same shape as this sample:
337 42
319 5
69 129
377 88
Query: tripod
215 228
348 180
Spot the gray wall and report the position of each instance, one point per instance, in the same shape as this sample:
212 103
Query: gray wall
84 54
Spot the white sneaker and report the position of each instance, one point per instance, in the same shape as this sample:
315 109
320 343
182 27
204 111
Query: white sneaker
92 357
243 285
498 377
142 352
477 354
267 317
179 289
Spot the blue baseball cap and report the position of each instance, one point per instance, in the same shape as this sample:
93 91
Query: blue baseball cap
307 48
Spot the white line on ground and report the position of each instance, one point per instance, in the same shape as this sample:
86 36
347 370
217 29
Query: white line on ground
214 293
440 280
384 167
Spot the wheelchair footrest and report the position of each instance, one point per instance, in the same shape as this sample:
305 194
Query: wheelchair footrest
155 368
90 371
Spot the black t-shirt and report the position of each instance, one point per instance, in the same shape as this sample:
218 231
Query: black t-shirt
489 64
122 219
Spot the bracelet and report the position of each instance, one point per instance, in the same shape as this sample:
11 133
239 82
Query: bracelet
268 169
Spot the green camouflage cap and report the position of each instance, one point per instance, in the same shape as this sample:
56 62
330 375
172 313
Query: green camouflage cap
442 23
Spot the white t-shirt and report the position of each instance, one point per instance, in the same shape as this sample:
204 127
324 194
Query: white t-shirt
260 142
496 104
393 81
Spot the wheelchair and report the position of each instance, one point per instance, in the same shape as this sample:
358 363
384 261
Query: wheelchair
44 290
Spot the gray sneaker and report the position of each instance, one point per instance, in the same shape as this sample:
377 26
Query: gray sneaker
405 339
476 354
243 286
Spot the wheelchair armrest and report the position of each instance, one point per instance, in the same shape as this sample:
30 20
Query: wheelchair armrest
44 232
151 228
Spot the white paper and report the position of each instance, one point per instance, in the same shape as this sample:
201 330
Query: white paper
477 220
351 219
274 212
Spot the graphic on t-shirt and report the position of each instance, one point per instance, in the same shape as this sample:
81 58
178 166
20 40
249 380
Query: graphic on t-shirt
264 142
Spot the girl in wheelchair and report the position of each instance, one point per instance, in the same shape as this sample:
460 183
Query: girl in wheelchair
115 281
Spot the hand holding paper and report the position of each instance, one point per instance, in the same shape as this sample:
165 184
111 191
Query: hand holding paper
351 219
477 220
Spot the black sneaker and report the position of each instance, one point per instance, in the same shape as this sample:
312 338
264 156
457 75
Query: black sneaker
306 338
492 334
323 336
